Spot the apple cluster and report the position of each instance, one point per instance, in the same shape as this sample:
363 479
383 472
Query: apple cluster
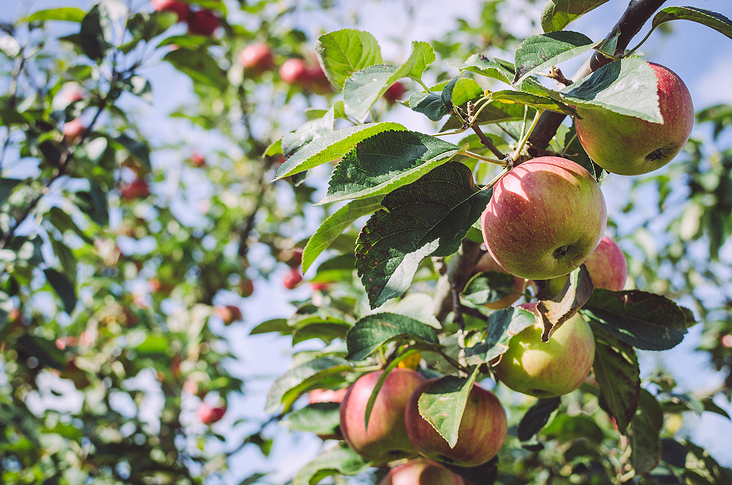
200 21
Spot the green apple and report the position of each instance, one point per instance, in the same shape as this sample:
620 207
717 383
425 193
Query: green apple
631 146
481 434
421 472
547 369
386 438
544 219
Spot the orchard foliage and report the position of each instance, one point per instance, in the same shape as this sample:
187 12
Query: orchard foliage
124 257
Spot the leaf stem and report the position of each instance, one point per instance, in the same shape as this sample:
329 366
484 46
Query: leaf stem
470 154
526 136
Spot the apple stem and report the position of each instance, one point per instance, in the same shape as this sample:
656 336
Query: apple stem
470 154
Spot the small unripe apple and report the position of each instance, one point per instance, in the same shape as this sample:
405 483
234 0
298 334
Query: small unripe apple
246 287
548 369
292 278
631 146
181 9
487 263
395 92
203 22
198 160
327 395
386 438
210 414
421 472
544 219
294 72
257 58
483 429
137 189
229 313
73 129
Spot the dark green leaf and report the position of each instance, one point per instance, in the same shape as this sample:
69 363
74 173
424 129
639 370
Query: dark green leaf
714 20
290 385
6 188
373 331
146 26
557 14
643 434
443 402
384 162
346 51
94 204
93 35
427 218
480 64
430 104
502 325
644 320
566 428
139 150
63 222
63 287
542 51
537 416
341 460
199 66
618 375
489 287
44 350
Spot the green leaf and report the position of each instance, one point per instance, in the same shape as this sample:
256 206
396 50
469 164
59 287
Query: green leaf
95 34
421 57
644 320
433 105
557 14
311 327
536 417
146 26
337 461
644 434
714 20
429 217
567 428
331 146
618 375
334 225
384 162
199 66
63 287
575 293
279 325
292 383
493 112
489 287
443 402
533 101
346 51
628 87
502 325
66 14
63 222
6 188
139 86
66 259
480 64
321 418
373 331
44 350
139 150
541 51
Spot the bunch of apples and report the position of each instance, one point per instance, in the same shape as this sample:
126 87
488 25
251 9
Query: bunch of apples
200 21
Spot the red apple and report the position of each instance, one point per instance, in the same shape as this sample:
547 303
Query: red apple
229 313
607 266
318 81
210 414
246 287
547 369
203 22
386 438
395 92
327 395
137 189
319 286
292 279
545 218
198 160
73 130
481 435
485 264
181 9
294 72
421 472
257 58
631 146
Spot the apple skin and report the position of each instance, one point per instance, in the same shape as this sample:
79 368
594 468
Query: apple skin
292 279
210 414
203 22
631 146
137 189
181 9
73 130
386 438
246 287
395 92
421 472
549 369
318 81
487 263
482 432
294 72
257 58
545 218
607 266
228 314
198 160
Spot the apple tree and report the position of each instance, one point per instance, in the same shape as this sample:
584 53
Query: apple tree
469 301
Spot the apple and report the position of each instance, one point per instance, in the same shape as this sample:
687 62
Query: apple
386 438
294 72
137 189
247 287
73 129
607 266
481 435
327 395
421 472
318 81
198 160
319 286
292 279
257 58
487 263
631 146
229 313
210 414
181 9
395 92
545 217
203 22
547 369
